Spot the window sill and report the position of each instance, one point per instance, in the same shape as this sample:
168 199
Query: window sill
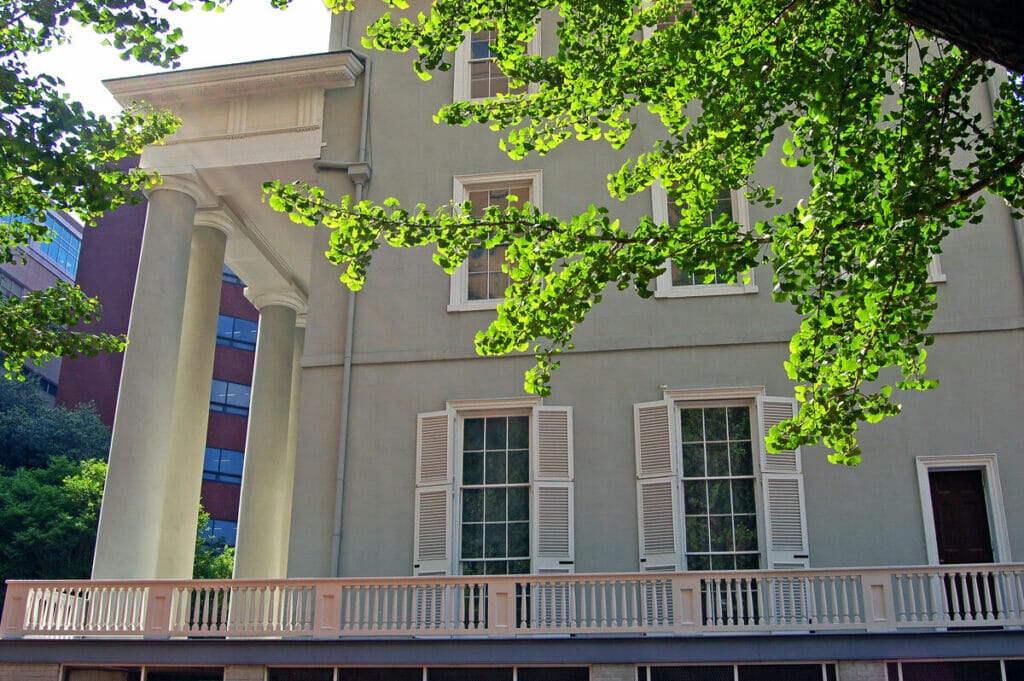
705 290
475 305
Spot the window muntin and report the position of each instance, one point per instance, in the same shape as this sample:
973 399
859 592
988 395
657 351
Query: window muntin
485 279
223 465
229 398
676 282
235 332
480 283
495 495
719 508
680 277
477 76
485 78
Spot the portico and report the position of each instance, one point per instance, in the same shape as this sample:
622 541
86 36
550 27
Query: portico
243 124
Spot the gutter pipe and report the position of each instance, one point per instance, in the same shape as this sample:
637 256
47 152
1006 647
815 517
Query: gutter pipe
359 179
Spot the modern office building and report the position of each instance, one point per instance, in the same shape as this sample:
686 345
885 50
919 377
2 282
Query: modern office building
408 512
41 265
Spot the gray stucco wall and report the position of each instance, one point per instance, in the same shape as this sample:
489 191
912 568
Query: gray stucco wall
411 355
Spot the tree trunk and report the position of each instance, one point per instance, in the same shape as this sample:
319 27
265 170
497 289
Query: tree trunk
990 29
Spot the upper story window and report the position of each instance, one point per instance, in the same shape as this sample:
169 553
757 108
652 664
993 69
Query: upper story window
679 283
223 465
229 398
9 288
480 283
477 76
235 332
63 247
710 496
494 489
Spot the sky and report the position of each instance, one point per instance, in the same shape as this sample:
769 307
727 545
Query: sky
246 31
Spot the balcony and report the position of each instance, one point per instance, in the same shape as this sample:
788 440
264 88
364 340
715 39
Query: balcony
682 604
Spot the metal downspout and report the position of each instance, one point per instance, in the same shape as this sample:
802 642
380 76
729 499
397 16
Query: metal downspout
350 326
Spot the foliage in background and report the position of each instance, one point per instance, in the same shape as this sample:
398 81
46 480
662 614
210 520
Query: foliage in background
55 155
48 519
214 559
844 97
32 430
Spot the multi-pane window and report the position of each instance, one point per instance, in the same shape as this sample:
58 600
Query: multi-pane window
495 495
485 78
10 288
677 282
229 398
719 507
235 332
480 283
680 277
223 465
63 247
485 278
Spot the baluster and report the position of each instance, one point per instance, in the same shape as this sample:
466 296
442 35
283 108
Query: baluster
979 603
844 616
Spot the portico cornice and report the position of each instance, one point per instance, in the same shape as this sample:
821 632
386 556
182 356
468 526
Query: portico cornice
327 71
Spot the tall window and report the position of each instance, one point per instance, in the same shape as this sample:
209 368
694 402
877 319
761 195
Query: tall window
480 283
495 495
680 277
494 489
719 508
710 496
229 398
236 332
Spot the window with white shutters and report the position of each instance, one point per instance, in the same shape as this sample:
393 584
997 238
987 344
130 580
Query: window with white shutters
494 490
709 495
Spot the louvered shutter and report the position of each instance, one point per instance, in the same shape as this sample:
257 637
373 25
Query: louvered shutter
782 486
657 487
432 545
552 531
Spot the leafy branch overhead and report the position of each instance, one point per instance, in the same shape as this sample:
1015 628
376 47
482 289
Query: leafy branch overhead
877 119
55 155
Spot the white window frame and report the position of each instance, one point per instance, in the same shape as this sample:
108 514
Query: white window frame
935 273
461 71
458 298
720 397
663 286
551 486
988 464
776 477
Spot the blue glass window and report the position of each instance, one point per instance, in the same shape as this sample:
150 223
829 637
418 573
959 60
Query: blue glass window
223 465
229 398
235 332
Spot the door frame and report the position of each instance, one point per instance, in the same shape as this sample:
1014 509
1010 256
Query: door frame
989 467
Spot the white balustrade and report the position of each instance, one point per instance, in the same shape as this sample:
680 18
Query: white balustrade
689 603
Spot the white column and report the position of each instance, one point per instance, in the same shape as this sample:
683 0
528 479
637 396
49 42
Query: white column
128 536
190 414
264 509
288 471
